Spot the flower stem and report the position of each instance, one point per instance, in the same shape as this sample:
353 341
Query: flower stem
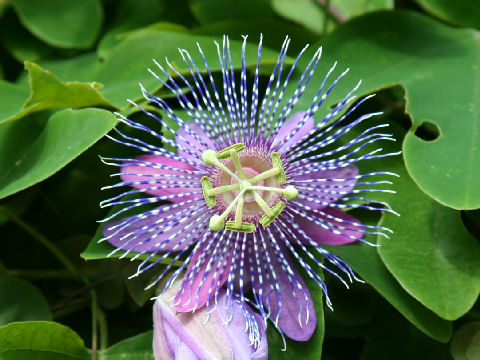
42 240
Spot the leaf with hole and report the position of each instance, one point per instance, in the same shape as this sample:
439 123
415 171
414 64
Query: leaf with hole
428 59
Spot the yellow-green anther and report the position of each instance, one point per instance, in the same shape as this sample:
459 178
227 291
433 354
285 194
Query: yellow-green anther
206 187
225 153
277 164
223 189
245 227
237 164
276 209
263 205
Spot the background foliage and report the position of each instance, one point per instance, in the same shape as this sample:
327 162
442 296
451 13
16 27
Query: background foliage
67 64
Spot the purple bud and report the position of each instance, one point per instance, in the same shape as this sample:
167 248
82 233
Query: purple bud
231 331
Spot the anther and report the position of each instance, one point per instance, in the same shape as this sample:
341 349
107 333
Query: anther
277 164
225 153
207 187
276 209
244 227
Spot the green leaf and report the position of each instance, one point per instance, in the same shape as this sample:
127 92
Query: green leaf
352 8
40 340
23 46
431 253
21 301
13 97
27 156
273 35
207 11
126 63
465 342
460 12
135 348
304 12
311 13
62 23
365 260
428 59
388 337
48 91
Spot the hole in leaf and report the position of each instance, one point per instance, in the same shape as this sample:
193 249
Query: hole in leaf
428 131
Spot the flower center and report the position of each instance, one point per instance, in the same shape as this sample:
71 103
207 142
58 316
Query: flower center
247 187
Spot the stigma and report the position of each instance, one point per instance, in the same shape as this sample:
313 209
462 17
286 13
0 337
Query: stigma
247 186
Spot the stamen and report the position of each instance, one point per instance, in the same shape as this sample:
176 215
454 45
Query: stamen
264 175
276 209
217 222
210 157
277 164
237 164
206 187
246 186
290 192
263 205
223 189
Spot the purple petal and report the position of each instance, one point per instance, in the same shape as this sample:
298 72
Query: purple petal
326 237
187 141
197 289
237 333
287 128
293 303
135 174
123 236
331 186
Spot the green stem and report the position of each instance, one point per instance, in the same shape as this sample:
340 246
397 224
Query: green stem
94 306
41 274
41 239
103 329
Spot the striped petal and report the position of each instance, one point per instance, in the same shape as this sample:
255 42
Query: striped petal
187 141
320 188
337 228
137 175
152 233
288 127
201 280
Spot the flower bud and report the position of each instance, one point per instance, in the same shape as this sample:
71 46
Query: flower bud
232 331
